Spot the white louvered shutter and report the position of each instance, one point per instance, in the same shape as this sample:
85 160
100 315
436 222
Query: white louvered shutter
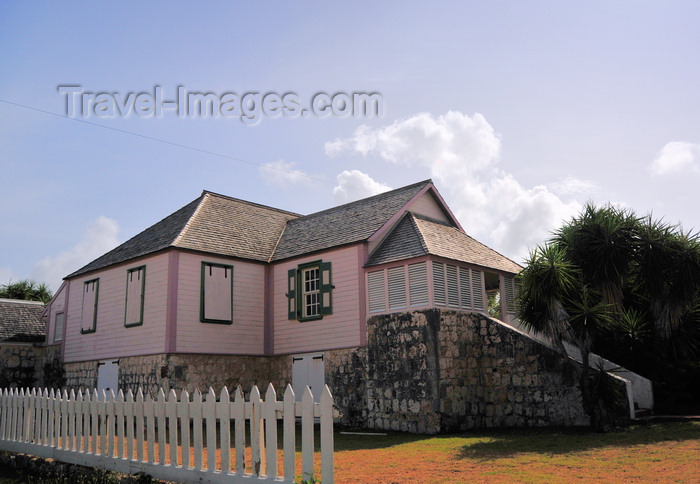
396 278
465 291
452 289
509 290
478 289
375 289
418 284
439 283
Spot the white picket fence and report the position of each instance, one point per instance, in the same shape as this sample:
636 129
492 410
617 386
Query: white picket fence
140 434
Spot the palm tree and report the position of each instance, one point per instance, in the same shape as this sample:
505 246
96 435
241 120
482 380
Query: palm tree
26 289
625 287
555 301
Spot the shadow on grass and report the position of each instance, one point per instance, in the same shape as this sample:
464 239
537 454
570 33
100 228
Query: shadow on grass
361 440
505 443
485 445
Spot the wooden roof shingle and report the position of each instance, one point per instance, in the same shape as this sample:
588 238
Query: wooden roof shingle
344 224
417 235
212 223
21 321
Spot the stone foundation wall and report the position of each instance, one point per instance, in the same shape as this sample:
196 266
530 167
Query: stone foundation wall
20 365
81 375
188 371
435 371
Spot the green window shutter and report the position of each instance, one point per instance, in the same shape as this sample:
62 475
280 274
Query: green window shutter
292 293
326 289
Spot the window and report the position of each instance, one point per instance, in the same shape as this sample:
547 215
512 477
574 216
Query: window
309 291
58 326
88 316
216 303
135 286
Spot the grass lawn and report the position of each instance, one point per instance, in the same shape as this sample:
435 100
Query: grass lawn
660 452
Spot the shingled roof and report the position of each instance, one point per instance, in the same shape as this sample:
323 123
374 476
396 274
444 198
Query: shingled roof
416 235
228 226
344 224
20 321
212 223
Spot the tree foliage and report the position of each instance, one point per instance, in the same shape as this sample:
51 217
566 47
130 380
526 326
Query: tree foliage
622 286
27 290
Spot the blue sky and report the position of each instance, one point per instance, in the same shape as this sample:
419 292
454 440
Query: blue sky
519 111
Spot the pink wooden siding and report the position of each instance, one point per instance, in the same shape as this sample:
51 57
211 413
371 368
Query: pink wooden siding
58 305
111 339
246 334
338 330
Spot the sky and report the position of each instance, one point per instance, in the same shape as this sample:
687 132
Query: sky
520 112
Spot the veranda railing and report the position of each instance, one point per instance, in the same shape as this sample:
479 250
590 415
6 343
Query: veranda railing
170 438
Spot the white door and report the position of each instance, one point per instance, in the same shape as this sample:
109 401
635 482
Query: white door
307 370
108 377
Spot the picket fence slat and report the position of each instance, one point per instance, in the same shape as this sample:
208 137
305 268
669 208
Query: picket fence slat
196 414
210 420
238 414
184 414
307 435
171 413
131 434
223 412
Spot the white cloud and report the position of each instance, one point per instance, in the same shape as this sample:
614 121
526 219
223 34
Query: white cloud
448 144
100 237
283 173
677 157
573 187
354 185
5 275
461 154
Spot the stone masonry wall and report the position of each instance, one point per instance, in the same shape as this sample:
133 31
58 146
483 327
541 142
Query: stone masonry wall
20 365
435 371
188 371
81 375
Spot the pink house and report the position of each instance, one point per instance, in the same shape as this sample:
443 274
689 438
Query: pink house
227 292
